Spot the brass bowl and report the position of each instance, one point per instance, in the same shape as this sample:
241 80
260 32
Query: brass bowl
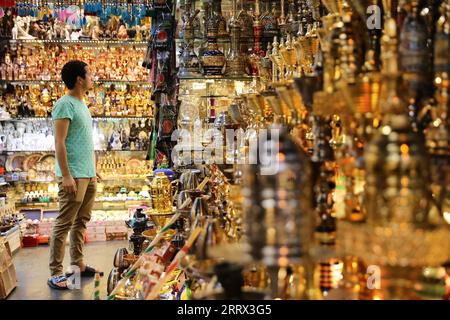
160 219
150 234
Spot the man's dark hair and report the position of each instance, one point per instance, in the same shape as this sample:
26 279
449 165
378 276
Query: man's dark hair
71 71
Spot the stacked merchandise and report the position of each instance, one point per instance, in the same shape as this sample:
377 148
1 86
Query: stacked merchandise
96 231
31 236
40 38
7 270
46 227
116 230
9 226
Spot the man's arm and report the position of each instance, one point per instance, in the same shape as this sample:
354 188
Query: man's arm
61 130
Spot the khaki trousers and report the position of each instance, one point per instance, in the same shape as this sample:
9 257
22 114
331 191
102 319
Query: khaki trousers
74 213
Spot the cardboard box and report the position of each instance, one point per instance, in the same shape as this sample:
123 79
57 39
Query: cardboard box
96 229
7 271
116 236
31 240
98 223
94 234
45 232
13 239
8 281
95 237
116 229
5 255
46 225
115 223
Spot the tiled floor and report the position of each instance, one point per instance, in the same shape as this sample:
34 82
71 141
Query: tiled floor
32 272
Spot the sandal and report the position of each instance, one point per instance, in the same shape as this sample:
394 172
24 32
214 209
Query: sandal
54 282
89 272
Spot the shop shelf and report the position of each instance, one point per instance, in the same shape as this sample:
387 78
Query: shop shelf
84 43
52 151
224 40
113 178
54 205
121 178
207 96
121 151
32 181
30 82
26 151
213 78
96 118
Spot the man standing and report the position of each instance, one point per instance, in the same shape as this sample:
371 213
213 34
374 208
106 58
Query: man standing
75 171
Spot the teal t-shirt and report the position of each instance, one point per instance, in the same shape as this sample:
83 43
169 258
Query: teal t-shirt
79 141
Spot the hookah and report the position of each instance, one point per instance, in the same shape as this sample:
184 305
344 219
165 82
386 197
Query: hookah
282 21
138 224
235 60
212 59
189 64
257 51
257 31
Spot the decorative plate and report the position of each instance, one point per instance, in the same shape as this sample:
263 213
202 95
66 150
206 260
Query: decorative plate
47 162
31 161
133 164
16 163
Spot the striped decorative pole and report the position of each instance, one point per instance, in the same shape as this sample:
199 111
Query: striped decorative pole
97 286
153 294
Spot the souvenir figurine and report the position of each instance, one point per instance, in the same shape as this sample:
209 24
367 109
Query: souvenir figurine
75 35
124 138
23 27
15 31
49 33
138 36
37 31
114 142
95 33
122 33
67 29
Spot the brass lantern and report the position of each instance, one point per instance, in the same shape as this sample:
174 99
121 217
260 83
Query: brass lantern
161 189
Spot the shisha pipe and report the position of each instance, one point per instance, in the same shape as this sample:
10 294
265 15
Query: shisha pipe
189 15
257 30
292 20
282 20
149 249
188 54
235 61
